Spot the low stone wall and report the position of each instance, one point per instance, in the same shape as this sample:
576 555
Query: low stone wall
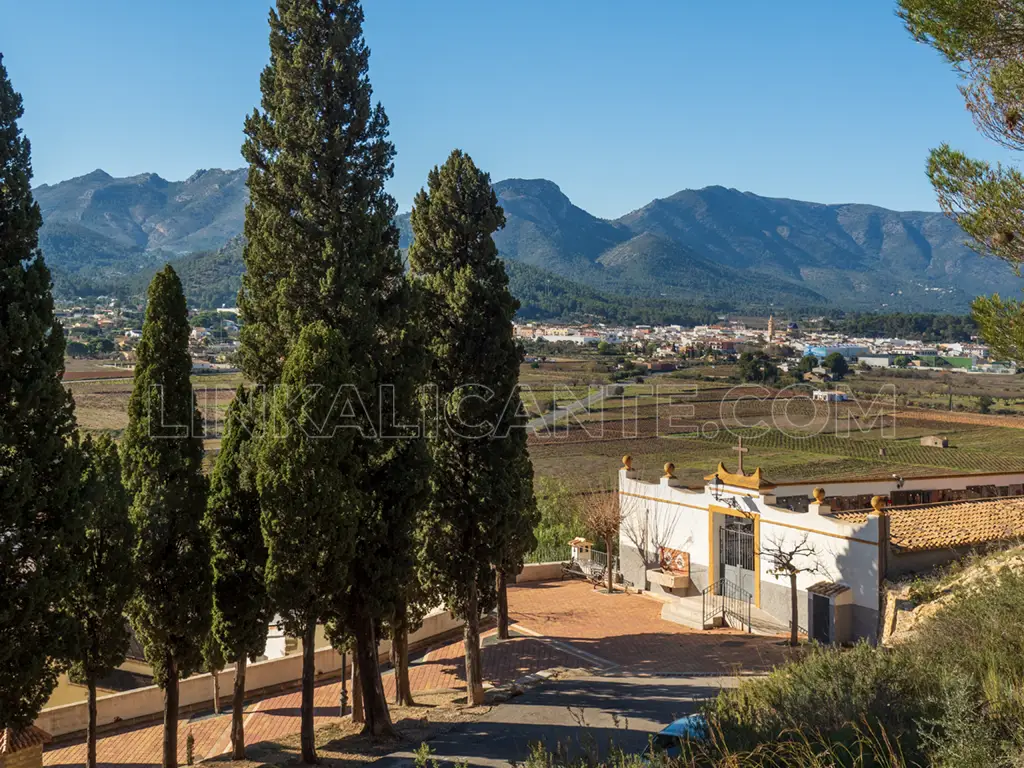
196 693
539 572
899 565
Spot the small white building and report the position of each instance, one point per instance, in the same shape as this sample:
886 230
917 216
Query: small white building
829 396
877 361
860 532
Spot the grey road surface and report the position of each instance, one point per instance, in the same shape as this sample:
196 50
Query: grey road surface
575 715
544 421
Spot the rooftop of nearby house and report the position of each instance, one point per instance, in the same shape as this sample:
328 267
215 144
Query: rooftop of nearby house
12 740
951 524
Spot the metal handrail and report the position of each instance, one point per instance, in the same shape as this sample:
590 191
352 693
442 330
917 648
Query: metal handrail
724 598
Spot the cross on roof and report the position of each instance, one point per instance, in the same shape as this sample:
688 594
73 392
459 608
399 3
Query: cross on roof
740 450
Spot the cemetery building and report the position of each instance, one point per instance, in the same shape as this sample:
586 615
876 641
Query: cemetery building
711 552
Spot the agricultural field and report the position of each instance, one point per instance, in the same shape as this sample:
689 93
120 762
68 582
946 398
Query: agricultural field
693 420
101 403
101 392
561 381
932 389
788 435
83 370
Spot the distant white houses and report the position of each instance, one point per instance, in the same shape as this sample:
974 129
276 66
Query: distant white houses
877 361
829 396
579 339
821 351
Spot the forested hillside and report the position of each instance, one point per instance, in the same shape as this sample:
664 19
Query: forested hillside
698 251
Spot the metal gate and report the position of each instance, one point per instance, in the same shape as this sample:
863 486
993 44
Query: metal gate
736 554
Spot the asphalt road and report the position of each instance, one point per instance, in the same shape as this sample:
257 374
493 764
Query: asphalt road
546 420
577 715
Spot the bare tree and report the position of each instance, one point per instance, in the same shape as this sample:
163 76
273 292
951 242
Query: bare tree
603 517
648 530
791 558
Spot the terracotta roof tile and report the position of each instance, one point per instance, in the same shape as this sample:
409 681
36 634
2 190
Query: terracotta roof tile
828 588
952 524
12 741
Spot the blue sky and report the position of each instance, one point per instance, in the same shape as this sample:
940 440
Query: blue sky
616 102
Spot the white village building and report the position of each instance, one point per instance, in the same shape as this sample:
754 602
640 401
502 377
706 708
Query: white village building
709 552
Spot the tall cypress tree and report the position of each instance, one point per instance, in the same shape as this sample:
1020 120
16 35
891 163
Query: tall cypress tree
322 246
320 241
306 491
519 515
98 599
162 454
38 468
241 607
468 312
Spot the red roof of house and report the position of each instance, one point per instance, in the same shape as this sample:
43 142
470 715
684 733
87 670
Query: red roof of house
12 741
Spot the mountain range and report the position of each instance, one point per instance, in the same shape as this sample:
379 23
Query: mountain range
712 248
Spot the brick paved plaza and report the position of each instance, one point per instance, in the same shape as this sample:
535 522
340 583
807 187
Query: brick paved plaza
558 624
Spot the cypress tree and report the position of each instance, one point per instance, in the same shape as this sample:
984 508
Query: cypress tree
322 247
106 582
518 511
320 241
468 312
162 454
391 490
213 665
241 608
411 604
38 468
306 491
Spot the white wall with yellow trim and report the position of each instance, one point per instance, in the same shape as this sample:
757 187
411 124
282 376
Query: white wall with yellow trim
845 552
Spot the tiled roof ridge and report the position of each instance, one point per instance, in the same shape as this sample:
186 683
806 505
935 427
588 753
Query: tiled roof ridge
12 740
840 513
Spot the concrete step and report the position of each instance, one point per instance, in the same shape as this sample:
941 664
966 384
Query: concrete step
763 623
688 611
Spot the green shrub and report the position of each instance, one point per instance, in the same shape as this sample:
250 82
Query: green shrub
977 641
560 521
831 693
869 750
923 591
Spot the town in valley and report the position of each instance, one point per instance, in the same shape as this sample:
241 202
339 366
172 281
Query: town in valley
368 442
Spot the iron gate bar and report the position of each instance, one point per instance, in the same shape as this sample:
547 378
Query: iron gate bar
725 599
736 547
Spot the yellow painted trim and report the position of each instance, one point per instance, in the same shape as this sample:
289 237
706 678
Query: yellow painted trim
754 482
669 501
729 510
823 533
664 501
757 562
713 567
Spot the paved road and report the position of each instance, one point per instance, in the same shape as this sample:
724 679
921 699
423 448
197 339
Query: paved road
578 714
544 421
